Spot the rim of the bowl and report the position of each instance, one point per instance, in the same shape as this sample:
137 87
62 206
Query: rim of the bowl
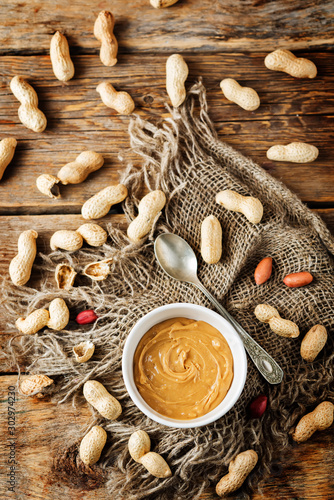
141 403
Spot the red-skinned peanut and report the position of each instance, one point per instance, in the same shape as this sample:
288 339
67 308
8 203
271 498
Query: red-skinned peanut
258 406
295 280
86 317
263 270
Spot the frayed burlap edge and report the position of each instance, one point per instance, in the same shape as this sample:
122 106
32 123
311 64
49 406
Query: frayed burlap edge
172 152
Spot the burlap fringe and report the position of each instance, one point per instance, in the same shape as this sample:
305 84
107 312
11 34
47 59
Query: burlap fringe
173 152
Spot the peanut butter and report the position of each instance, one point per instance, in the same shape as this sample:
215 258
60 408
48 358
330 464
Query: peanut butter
183 368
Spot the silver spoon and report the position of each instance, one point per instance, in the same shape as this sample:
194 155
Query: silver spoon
179 261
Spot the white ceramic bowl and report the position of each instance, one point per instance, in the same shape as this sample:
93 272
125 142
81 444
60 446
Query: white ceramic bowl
198 313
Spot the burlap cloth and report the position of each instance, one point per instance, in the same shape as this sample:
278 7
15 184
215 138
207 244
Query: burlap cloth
183 157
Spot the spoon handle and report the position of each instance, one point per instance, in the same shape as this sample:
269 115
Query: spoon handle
266 365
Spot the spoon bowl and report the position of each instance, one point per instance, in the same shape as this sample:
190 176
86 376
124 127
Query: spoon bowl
176 257
178 260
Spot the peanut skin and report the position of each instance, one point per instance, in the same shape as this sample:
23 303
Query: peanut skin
77 171
7 150
62 64
86 317
20 267
29 114
295 280
103 31
258 406
286 61
263 270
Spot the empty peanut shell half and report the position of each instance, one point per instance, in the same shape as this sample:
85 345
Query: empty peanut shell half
84 351
99 270
65 276
34 385
47 184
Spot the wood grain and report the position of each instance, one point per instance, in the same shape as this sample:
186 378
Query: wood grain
39 437
190 25
291 110
221 38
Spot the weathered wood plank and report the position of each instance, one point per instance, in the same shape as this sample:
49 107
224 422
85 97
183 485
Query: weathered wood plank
77 120
328 216
40 428
188 25
39 432
290 110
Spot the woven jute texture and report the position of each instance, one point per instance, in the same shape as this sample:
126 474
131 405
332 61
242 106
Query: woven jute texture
183 157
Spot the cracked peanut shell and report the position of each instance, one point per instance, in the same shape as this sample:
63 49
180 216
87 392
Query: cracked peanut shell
33 385
84 351
98 270
65 276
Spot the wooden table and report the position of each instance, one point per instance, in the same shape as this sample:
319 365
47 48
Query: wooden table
225 38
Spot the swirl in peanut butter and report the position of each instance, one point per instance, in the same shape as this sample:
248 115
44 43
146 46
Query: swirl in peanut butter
183 368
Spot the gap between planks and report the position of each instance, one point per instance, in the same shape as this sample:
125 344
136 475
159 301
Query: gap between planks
304 472
189 25
77 120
